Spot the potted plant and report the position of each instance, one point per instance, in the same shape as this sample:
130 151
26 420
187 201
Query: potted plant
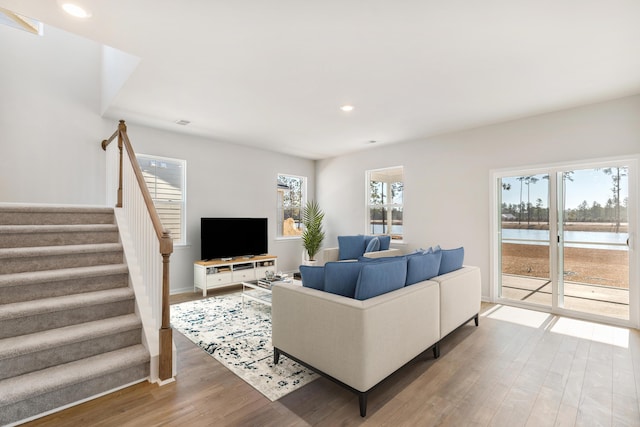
312 236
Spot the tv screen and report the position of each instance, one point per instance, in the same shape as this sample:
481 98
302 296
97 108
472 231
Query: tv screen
233 237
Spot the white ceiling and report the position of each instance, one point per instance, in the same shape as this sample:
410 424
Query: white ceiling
272 74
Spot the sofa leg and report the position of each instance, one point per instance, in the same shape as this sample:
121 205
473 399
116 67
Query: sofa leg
362 398
476 319
436 350
276 356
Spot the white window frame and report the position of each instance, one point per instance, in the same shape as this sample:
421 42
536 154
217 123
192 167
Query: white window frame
182 164
280 208
389 207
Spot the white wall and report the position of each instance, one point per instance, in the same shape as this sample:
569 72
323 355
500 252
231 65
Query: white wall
50 151
224 180
50 130
447 188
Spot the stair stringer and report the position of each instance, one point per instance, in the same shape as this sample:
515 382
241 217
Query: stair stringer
150 326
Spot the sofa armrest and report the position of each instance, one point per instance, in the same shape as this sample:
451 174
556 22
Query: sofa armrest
460 295
357 342
328 255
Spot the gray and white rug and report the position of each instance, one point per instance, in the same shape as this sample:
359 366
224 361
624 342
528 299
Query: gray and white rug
240 338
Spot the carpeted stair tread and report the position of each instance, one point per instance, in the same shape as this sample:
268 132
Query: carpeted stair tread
56 228
48 380
67 302
26 209
42 251
48 276
20 236
56 214
39 341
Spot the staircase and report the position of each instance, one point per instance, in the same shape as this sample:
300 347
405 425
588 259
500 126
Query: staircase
68 328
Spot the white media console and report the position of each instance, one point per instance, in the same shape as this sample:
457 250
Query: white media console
218 273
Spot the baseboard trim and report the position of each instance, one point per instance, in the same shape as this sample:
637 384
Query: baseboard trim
72 404
174 291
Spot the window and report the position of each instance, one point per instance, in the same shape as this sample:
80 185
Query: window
166 181
385 199
292 196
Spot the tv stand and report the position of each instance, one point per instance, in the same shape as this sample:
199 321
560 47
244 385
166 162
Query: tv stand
211 274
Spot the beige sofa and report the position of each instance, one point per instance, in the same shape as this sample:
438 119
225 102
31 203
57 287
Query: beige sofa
360 343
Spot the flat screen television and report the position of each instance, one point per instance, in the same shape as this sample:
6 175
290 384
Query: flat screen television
233 237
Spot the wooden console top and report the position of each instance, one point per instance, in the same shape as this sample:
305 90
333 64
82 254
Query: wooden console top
236 260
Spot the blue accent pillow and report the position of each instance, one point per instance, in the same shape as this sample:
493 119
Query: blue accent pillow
373 245
380 277
385 242
340 277
452 260
312 276
350 247
423 266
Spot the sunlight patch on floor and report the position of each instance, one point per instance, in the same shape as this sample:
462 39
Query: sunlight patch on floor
520 316
606 334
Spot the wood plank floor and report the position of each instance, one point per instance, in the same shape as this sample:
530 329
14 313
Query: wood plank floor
502 373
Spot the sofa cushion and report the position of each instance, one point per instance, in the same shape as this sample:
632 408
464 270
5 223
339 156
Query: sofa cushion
350 247
340 277
312 276
378 278
452 259
373 245
385 242
423 266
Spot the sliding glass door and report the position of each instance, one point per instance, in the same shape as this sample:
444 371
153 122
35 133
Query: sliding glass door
593 234
524 239
563 239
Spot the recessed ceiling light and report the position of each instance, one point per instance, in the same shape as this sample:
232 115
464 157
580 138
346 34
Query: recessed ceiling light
182 122
347 108
75 9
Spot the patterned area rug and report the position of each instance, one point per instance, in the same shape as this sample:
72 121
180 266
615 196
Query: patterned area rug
240 338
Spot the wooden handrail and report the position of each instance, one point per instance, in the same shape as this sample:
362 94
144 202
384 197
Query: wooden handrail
165 240
148 201
105 142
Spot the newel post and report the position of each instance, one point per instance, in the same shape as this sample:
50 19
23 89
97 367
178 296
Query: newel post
122 128
166 335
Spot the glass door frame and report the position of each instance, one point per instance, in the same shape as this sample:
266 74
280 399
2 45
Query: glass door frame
555 233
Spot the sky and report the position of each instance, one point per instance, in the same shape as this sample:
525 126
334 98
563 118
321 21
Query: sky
588 184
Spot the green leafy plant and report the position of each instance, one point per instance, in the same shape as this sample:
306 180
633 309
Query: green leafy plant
312 236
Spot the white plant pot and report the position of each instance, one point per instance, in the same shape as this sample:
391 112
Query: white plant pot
306 260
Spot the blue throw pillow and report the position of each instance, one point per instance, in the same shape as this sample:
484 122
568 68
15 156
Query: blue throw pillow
385 242
373 245
350 247
380 277
312 276
423 266
452 260
340 277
